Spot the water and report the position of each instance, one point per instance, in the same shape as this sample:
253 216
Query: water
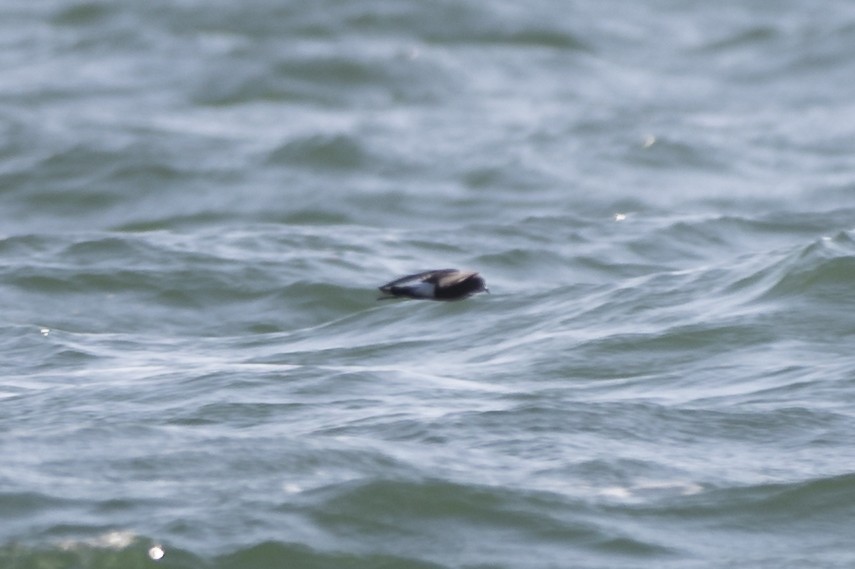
199 199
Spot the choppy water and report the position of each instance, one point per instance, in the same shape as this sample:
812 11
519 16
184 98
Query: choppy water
198 199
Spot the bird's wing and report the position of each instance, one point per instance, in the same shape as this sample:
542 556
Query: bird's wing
451 279
415 278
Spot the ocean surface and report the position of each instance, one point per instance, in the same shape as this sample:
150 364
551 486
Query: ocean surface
199 199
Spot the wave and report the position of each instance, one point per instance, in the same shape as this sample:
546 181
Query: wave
123 549
820 271
390 524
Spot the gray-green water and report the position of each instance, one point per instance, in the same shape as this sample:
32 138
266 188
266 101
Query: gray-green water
198 199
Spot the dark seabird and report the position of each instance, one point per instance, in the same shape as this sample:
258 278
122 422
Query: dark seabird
444 284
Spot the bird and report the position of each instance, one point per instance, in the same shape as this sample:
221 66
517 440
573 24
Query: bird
442 284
